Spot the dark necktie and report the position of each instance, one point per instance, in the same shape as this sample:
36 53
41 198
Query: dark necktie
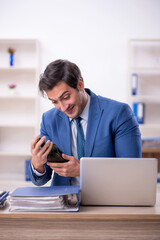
80 138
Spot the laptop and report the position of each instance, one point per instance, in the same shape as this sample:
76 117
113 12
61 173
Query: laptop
118 181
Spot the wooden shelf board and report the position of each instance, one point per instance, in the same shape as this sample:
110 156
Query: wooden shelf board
150 150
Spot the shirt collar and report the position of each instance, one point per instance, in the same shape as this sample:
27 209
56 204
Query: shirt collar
84 114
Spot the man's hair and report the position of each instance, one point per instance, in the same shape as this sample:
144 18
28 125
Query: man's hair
59 71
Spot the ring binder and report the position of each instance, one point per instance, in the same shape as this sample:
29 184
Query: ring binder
57 198
134 83
138 109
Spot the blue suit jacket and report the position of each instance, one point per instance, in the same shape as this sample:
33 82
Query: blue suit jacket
112 131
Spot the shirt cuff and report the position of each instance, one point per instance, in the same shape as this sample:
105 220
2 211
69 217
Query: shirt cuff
36 172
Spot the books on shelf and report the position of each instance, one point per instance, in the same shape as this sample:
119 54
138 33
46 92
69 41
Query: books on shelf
56 198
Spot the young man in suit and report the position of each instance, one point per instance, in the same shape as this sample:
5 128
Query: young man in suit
109 127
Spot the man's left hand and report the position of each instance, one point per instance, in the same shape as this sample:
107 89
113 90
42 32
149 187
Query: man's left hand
67 169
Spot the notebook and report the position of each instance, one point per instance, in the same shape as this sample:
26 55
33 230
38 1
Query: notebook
118 181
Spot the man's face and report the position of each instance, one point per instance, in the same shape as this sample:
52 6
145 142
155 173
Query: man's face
68 100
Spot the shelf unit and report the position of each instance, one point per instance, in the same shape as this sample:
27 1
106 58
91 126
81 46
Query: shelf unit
144 63
19 107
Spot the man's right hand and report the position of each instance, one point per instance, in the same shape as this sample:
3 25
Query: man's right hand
39 154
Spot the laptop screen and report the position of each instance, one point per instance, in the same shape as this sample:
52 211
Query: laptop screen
118 181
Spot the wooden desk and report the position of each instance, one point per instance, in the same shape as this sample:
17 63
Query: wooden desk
97 223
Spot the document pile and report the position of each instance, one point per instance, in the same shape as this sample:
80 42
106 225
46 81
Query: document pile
56 198
3 198
151 142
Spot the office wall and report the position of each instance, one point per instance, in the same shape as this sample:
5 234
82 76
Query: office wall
92 33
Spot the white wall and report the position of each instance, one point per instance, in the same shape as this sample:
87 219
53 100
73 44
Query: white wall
92 33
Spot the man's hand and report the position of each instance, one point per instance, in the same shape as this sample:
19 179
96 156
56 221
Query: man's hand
39 154
67 169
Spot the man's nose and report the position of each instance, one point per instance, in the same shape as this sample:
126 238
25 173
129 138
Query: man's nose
62 107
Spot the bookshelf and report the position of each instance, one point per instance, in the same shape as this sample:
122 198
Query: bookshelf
144 84
19 107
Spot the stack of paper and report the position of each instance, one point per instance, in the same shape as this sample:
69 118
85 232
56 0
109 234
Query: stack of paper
151 142
3 198
58 198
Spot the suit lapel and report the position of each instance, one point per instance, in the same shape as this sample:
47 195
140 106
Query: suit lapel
64 130
95 114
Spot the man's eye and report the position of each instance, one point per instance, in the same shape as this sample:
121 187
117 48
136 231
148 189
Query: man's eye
66 97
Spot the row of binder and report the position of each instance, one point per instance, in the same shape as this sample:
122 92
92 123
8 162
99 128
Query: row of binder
138 107
57 198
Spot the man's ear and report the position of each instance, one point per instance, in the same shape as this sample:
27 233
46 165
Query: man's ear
80 85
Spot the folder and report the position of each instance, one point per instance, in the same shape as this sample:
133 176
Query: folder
138 109
134 83
56 198
27 172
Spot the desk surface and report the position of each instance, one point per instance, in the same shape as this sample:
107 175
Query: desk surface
86 212
103 223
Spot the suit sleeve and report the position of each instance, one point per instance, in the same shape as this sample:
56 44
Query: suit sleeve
127 137
41 180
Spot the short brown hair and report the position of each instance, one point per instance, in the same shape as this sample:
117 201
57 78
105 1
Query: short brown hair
59 71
